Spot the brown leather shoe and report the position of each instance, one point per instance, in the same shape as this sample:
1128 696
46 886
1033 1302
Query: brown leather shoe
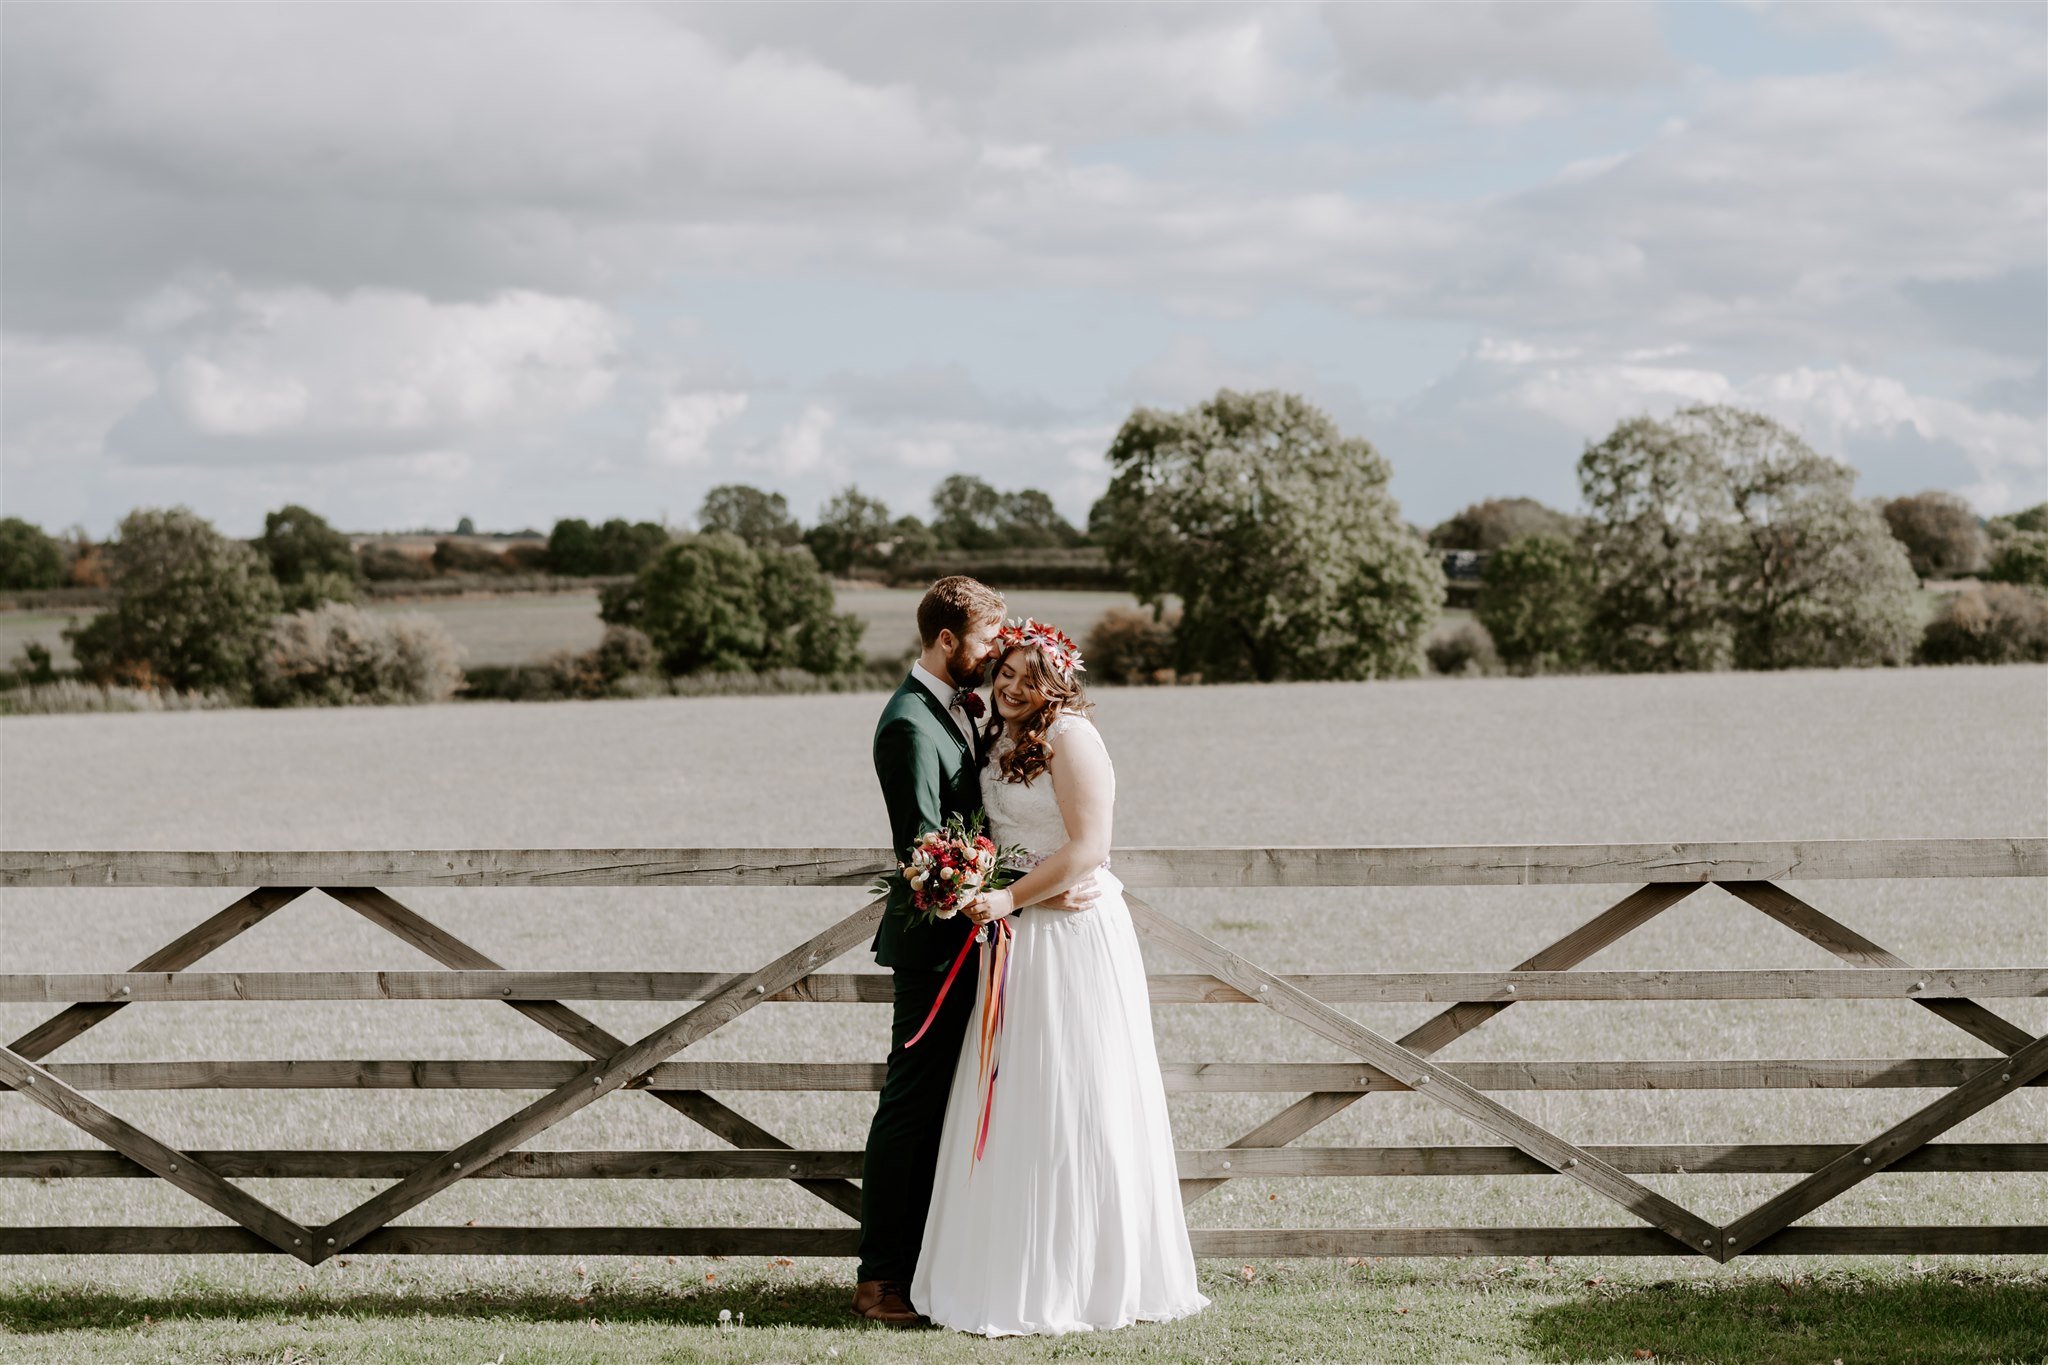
885 1301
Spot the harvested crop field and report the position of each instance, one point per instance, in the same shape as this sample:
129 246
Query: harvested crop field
1925 752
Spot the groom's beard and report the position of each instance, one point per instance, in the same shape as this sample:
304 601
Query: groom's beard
967 669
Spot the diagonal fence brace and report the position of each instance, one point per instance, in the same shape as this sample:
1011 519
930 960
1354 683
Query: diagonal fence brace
1625 916
2001 1077
180 953
179 1169
595 1081
1566 1158
1845 943
580 1032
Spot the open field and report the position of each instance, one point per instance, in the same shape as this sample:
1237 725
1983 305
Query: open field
1923 752
527 626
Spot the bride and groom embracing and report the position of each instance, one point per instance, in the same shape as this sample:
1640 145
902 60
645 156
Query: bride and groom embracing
1050 1202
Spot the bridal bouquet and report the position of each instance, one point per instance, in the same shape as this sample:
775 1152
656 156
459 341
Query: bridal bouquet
951 866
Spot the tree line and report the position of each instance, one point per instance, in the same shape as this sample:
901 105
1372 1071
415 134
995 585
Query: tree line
1262 540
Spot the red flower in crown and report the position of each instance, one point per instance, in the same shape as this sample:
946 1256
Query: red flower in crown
1060 651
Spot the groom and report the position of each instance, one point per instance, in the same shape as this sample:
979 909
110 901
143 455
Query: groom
928 758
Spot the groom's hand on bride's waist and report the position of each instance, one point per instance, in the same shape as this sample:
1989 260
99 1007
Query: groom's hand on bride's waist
1080 896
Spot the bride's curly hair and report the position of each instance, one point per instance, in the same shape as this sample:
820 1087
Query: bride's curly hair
1028 757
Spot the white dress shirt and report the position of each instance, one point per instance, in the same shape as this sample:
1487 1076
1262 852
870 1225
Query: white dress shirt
944 692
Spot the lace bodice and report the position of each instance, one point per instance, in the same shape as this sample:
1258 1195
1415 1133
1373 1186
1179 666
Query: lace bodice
1028 813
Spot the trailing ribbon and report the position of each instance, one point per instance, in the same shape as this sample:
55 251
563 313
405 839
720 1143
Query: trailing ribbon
998 934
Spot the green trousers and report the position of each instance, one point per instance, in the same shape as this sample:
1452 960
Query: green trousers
903 1142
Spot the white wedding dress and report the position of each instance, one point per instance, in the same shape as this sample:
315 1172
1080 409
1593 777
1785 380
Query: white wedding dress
1071 1221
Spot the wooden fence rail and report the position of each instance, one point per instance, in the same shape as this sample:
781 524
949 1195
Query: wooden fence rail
2006 1059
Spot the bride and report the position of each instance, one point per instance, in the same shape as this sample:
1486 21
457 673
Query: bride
1057 1206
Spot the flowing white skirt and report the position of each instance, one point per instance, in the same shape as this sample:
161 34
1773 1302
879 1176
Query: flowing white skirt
1071 1221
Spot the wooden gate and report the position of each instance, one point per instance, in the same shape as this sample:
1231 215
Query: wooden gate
1663 874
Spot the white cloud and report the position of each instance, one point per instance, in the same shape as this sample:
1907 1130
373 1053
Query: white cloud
681 432
799 448
384 363
62 396
1842 410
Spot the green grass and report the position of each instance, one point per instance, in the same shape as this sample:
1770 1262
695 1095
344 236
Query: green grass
621 1310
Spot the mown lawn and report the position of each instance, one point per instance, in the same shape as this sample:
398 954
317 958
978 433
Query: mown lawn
641 1310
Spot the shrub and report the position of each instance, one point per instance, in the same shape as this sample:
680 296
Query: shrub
1940 533
1534 601
30 558
1459 649
315 588
623 654
465 556
2023 558
1499 522
2000 624
340 655
70 696
1129 646
191 607
387 563
526 556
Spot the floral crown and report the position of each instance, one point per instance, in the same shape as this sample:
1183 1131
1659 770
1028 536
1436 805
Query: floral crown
1060 651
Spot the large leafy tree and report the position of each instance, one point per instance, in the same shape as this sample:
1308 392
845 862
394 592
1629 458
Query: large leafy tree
2023 558
619 546
29 556
1813 577
853 530
1027 520
754 515
1276 534
964 512
298 542
711 601
1652 491
1940 533
1720 537
1533 601
191 606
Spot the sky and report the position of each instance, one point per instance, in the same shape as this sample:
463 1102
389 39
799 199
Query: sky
405 264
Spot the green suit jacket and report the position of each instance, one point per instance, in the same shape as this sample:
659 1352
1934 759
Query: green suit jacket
928 775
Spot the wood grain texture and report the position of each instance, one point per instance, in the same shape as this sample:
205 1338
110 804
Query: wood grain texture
182 951
1660 1212
596 1080
1629 913
1904 983
712 1115
1845 943
1218 1162
1993 1082
1412 865
173 1166
1345 1080
1232 1243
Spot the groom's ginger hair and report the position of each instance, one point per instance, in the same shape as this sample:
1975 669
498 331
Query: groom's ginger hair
955 604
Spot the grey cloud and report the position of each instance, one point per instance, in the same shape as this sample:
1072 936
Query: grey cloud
932 393
1428 49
